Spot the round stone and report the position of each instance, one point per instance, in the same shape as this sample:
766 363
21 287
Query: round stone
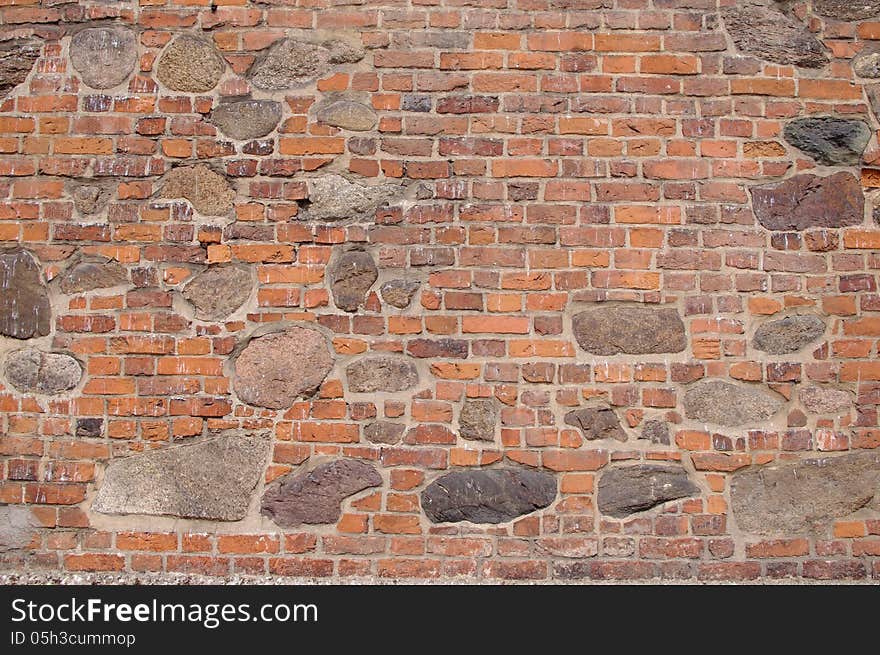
34 371
275 369
348 115
191 65
247 119
104 57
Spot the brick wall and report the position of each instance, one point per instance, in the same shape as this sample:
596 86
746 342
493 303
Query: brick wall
502 289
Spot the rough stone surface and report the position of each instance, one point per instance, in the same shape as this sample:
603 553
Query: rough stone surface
384 432
372 374
17 527
867 63
24 302
351 275
788 335
767 34
487 496
191 65
656 432
208 192
88 276
247 119
17 59
729 404
334 198
399 293
596 423
632 330
296 62
626 490
316 497
218 291
830 141
847 9
212 479
104 57
89 199
825 400
348 115
803 496
275 369
477 420
806 201
33 371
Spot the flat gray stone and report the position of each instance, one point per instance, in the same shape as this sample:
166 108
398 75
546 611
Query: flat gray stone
763 32
351 275
806 201
298 61
478 419
487 496
90 275
208 192
625 490
867 63
826 401
17 59
803 496
598 422
275 369
348 115
399 293
213 479
104 57
217 292
384 432
244 120
629 329
334 198
830 141
388 374
89 199
729 404
190 64
788 335
847 9
17 527
34 371
316 497
24 302
656 432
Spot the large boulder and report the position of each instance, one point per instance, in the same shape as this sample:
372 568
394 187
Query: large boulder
334 198
806 201
90 275
316 497
247 119
600 422
24 302
830 141
190 64
218 291
104 57
299 60
213 479
275 369
760 30
487 496
17 59
351 275
788 335
729 404
631 330
626 490
34 371
802 496
388 374
208 192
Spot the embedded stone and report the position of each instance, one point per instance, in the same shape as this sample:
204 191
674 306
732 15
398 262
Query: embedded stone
770 35
17 59
190 64
88 276
334 198
316 497
625 490
24 302
348 115
275 369
247 119
867 63
104 57
208 192
477 420
728 404
847 9
806 201
487 496
399 293
596 423
830 141
89 428
656 432
218 291
34 371
351 275
788 335
632 330
389 374
213 479
17 526
296 62
825 400
384 432
89 198
803 496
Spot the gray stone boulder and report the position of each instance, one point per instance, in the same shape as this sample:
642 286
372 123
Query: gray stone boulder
631 330
487 496
729 404
830 141
90 275
316 497
600 422
104 57
208 192
213 479
788 335
190 64
478 419
387 374
333 198
656 432
24 301
217 292
34 371
625 490
299 60
351 275
347 115
759 30
806 201
247 119
826 401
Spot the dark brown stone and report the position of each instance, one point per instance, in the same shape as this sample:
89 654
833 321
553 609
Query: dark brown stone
219 291
104 57
596 423
389 374
478 419
626 490
17 58
88 276
807 201
761 31
830 141
316 497
632 330
431 348
351 275
24 302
